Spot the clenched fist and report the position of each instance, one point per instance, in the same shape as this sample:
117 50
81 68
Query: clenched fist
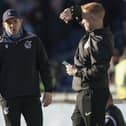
66 15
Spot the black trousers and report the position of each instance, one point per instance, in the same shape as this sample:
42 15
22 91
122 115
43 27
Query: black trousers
90 107
30 107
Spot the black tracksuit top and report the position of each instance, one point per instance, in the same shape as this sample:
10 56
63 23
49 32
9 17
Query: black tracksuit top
93 56
21 63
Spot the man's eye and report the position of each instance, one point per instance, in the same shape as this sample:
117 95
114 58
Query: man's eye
15 21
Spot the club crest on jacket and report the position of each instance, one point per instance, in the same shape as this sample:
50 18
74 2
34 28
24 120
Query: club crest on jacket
28 44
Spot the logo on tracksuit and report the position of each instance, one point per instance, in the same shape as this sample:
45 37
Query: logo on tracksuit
28 44
6 46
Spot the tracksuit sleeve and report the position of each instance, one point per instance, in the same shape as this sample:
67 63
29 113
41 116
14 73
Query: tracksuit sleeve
100 56
44 67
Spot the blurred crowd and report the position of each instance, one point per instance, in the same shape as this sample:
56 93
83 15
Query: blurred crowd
60 40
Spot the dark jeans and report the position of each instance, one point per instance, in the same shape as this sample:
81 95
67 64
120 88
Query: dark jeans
90 107
30 107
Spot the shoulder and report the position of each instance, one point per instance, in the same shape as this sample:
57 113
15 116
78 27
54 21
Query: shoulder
101 35
34 38
30 35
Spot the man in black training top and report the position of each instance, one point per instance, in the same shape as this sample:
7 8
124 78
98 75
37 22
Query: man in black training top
91 63
22 60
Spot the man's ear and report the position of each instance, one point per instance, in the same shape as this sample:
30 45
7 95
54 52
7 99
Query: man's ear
93 17
96 17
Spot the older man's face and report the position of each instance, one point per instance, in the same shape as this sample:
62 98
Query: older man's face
12 25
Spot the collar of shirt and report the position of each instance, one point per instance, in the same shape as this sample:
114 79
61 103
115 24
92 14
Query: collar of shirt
11 38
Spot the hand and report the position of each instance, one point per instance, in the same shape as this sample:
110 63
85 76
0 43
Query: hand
47 99
66 15
71 70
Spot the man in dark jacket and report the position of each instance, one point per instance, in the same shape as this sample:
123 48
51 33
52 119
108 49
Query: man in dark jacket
113 115
91 63
22 59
